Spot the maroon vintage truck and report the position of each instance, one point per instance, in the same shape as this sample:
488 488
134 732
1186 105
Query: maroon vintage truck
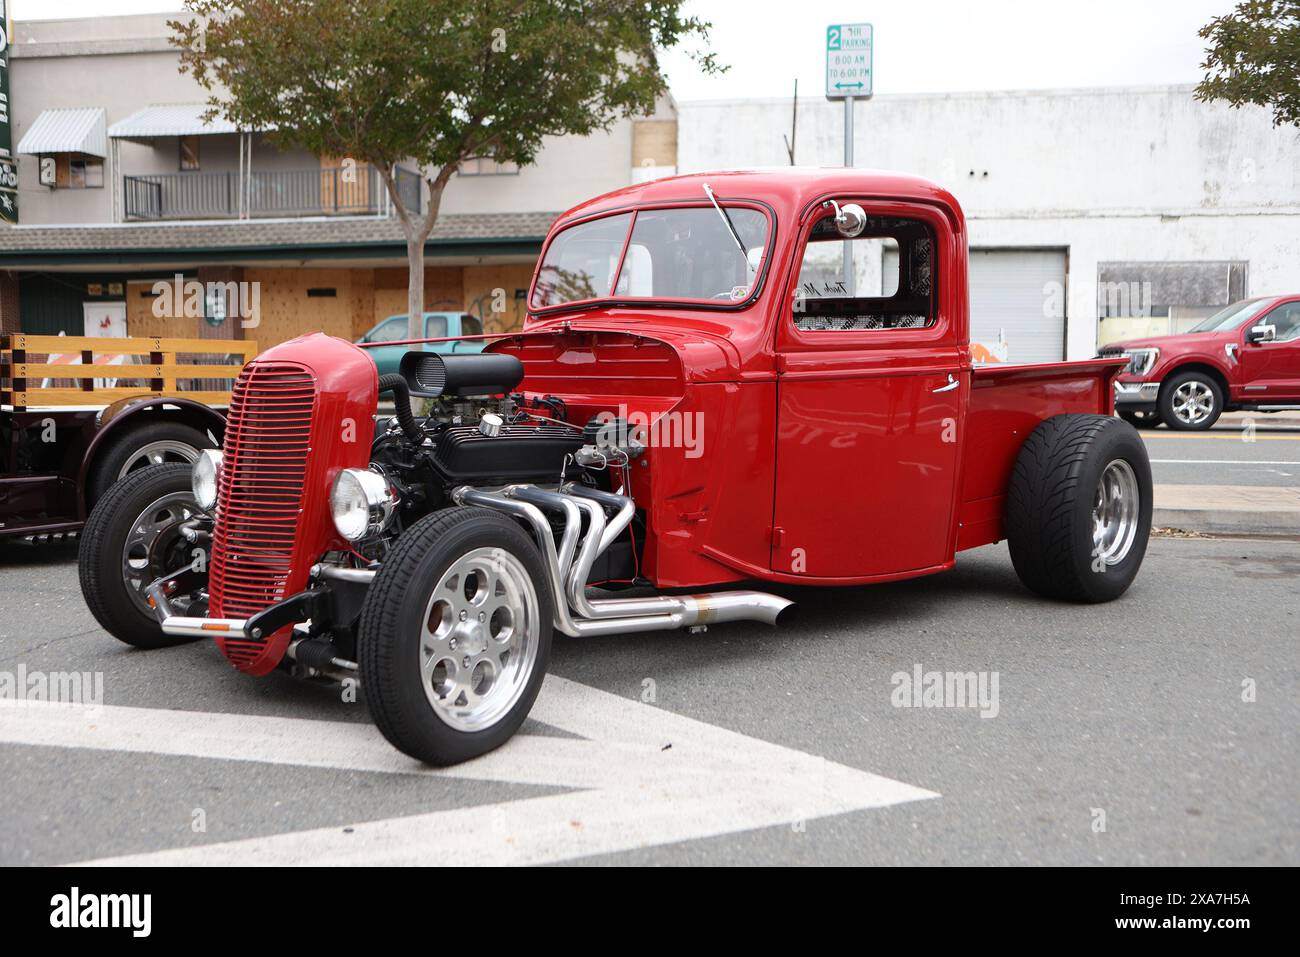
723 379
71 425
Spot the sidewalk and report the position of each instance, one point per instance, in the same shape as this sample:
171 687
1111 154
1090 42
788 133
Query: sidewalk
1228 509
1262 420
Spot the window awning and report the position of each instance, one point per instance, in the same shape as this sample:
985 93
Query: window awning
174 119
66 131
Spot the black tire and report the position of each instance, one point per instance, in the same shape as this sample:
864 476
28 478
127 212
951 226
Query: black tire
1050 501
389 636
104 585
1169 392
122 449
1140 420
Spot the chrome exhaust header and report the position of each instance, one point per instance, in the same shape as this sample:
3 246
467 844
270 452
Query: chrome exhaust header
569 566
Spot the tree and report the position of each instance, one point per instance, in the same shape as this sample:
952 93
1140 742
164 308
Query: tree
1254 57
433 82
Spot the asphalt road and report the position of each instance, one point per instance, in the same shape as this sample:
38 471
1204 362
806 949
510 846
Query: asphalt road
1225 455
1133 710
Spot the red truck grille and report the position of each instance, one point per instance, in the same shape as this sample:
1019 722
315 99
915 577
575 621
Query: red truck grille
263 474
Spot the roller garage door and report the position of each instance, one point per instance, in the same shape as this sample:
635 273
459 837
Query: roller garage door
1014 306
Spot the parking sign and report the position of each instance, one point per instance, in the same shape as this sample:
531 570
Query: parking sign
848 60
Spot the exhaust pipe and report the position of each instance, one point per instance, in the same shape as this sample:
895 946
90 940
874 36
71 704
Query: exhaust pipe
579 616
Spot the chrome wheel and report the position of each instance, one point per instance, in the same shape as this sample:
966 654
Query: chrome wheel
1115 512
479 638
154 547
158 453
1193 402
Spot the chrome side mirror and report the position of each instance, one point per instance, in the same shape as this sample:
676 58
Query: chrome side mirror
1264 332
850 219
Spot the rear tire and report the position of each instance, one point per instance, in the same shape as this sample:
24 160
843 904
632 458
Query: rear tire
157 443
1078 512
455 635
131 539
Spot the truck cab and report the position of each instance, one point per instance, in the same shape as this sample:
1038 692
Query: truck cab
1245 357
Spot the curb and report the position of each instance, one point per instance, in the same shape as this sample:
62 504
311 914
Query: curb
1209 521
1262 420
1228 509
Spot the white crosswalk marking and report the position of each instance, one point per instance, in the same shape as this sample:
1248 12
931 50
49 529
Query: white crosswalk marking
631 790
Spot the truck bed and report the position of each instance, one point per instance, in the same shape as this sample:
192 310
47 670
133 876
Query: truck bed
1006 403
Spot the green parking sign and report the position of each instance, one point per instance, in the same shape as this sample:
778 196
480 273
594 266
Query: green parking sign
848 60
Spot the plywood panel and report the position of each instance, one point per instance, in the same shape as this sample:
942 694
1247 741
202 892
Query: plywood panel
443 291
481 285
286 311
140 318
654 143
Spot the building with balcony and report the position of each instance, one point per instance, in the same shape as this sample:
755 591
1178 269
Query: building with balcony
124 182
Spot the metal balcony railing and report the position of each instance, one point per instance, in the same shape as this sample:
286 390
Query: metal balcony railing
327 190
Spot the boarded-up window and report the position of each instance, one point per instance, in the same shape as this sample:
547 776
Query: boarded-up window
654 143
1179 290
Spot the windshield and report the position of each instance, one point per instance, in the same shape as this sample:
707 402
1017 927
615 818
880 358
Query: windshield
1231 317
683 254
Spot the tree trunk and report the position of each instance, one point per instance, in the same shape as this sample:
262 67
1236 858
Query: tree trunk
415 287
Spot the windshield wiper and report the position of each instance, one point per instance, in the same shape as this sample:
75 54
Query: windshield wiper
730 228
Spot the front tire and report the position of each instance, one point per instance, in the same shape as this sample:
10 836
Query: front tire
455 635
1140 420
1078 511
132 538
1190 402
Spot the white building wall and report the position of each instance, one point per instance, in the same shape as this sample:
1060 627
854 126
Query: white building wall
1110 174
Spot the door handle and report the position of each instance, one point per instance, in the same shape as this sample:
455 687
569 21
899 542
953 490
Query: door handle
952 384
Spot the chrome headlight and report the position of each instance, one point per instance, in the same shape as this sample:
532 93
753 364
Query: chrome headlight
203 478
361 503
1142 361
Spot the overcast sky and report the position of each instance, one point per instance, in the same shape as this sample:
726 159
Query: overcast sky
921 45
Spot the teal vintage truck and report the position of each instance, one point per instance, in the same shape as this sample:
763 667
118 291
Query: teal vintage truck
437 325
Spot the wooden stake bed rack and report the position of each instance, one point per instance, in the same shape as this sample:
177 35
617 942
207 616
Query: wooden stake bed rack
20 379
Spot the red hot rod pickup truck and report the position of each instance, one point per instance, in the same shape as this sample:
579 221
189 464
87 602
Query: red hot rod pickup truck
751 376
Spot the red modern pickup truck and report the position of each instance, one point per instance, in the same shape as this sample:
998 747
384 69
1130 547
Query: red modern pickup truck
739 377
1245 357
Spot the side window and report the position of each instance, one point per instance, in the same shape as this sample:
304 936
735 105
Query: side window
1287 321
882 279
435 327
470 326
390 330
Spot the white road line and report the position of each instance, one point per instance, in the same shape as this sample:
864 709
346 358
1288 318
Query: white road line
637 792
1216 462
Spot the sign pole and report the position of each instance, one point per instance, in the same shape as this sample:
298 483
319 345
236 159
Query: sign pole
8 162
850 280
849 68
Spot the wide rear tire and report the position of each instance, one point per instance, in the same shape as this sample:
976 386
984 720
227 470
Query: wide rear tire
455 635
1078 511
